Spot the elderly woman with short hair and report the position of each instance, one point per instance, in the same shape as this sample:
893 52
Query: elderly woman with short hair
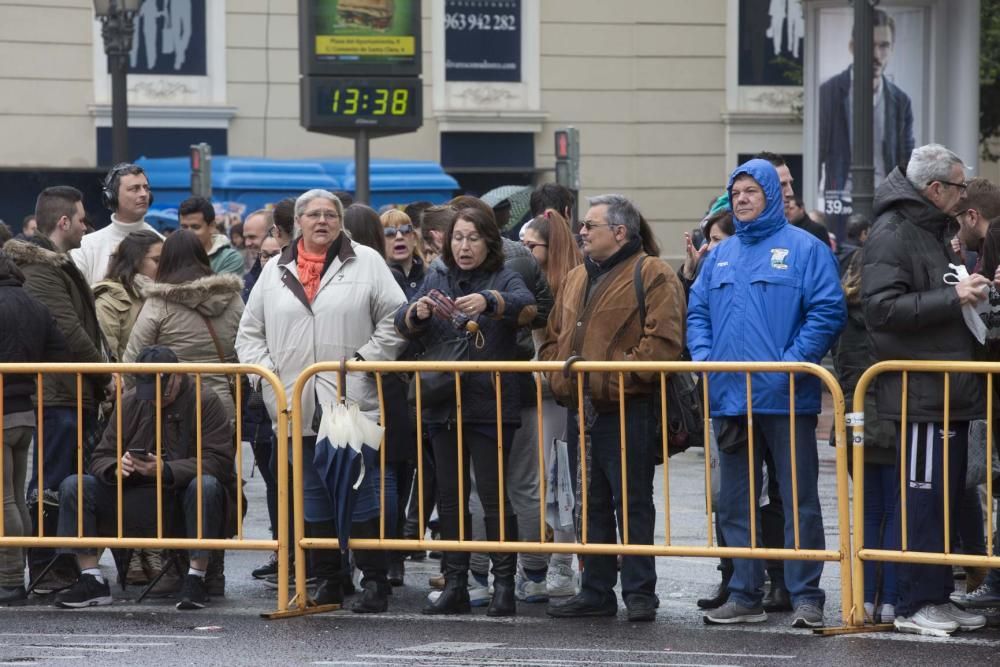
324 299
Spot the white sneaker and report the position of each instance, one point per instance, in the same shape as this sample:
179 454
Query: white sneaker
886 613
560 581
527 590
930 620
870 611
479 595
966 621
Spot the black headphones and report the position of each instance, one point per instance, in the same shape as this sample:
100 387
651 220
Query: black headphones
109 190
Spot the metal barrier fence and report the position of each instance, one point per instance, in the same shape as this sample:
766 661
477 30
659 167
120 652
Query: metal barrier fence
842 555
79 541
903 555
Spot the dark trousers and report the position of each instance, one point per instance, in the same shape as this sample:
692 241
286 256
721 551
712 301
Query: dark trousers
920 585
100 503
479 446
881 530
263 452
604 499
412 524
59 456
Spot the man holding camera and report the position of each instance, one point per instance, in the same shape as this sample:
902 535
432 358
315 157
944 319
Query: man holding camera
140 466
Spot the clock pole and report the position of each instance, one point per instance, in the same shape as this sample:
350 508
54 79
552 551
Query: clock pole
362 163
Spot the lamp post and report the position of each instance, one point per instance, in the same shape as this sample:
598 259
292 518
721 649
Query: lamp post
117 25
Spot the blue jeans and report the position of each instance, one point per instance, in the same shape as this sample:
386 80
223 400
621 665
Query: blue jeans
604 499
881 529
100 502
772 433
60 435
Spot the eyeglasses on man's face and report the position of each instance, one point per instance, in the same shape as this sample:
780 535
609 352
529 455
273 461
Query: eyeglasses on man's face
590 226
405 230
265 255
318 215
960 186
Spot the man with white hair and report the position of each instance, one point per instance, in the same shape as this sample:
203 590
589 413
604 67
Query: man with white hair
912 312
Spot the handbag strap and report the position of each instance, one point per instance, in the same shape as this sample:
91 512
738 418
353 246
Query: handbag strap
640 292
215 338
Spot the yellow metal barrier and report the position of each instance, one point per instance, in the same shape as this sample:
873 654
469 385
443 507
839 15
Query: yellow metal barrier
841 555
159 542
903 555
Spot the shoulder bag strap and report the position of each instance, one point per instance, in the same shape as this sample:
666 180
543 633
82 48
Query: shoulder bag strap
640 292
215 338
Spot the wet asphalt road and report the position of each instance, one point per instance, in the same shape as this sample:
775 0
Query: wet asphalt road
231 631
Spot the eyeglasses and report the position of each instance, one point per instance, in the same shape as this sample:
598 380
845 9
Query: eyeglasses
471 238
531 246
402 229
961 186
264 255
589 226
320 215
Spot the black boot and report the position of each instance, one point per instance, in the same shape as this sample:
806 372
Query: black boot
454 599
325 566
373 563
374 598
504 566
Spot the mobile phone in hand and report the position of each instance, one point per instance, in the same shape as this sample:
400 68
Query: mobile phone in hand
140 454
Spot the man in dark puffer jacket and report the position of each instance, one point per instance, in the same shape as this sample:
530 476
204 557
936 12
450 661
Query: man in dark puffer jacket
912 313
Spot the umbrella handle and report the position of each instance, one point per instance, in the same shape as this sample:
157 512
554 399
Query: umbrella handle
342 379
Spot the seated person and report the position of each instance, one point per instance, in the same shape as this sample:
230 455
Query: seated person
139 466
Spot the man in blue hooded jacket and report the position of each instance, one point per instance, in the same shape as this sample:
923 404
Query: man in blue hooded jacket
770 293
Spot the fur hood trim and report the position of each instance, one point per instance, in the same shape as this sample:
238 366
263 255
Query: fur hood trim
25 253
199 290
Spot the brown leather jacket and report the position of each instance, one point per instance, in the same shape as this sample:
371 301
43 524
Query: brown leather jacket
606 327
178 442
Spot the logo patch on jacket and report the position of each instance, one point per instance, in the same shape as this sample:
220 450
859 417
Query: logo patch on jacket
778 256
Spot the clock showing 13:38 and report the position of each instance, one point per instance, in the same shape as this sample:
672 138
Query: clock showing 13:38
371 101
382 104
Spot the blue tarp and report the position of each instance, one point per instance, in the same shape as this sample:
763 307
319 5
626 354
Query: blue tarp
257 182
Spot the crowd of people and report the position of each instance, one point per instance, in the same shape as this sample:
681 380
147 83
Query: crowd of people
320 277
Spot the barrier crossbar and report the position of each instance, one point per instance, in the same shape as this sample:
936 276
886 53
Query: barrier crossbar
119 540
904 555
583 545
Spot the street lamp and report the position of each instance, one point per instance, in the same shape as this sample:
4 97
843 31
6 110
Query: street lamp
117 26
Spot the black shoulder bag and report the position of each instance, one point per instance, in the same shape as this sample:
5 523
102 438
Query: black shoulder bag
684 409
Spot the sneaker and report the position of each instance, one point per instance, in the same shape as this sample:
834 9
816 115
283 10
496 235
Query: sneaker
479 595
983 597
560 581
733 612
527 590
167 586
268 568
930 620
886 613
59 578
966 621
136 574
86 592
807 615
870 611
193 593
152 562
271 580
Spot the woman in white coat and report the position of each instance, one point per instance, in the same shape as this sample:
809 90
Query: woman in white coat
326 298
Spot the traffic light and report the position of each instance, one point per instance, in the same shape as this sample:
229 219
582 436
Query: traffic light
568 157
201 170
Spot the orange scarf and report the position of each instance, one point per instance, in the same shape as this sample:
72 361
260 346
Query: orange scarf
310 269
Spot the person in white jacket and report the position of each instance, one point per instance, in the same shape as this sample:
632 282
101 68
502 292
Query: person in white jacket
326 298
127 195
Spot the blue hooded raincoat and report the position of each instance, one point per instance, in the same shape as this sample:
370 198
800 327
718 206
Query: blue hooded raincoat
770 293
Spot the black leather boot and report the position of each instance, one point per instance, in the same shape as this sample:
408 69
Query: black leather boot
454 599
374 598
503 602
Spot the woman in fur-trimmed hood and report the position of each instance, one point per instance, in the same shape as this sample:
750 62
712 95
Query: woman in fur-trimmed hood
192 311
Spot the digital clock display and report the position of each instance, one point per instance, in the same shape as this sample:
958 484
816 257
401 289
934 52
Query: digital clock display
379 103
378 100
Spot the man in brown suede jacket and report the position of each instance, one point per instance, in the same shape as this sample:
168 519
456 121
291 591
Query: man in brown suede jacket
596 317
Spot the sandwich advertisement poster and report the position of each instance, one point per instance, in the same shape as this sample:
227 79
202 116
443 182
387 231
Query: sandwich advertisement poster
366 31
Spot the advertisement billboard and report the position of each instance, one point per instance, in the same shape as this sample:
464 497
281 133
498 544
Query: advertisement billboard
360 37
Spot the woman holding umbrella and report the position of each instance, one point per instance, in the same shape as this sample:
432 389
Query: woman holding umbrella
471 291
326 298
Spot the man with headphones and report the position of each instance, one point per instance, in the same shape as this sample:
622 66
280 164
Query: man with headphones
127 195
